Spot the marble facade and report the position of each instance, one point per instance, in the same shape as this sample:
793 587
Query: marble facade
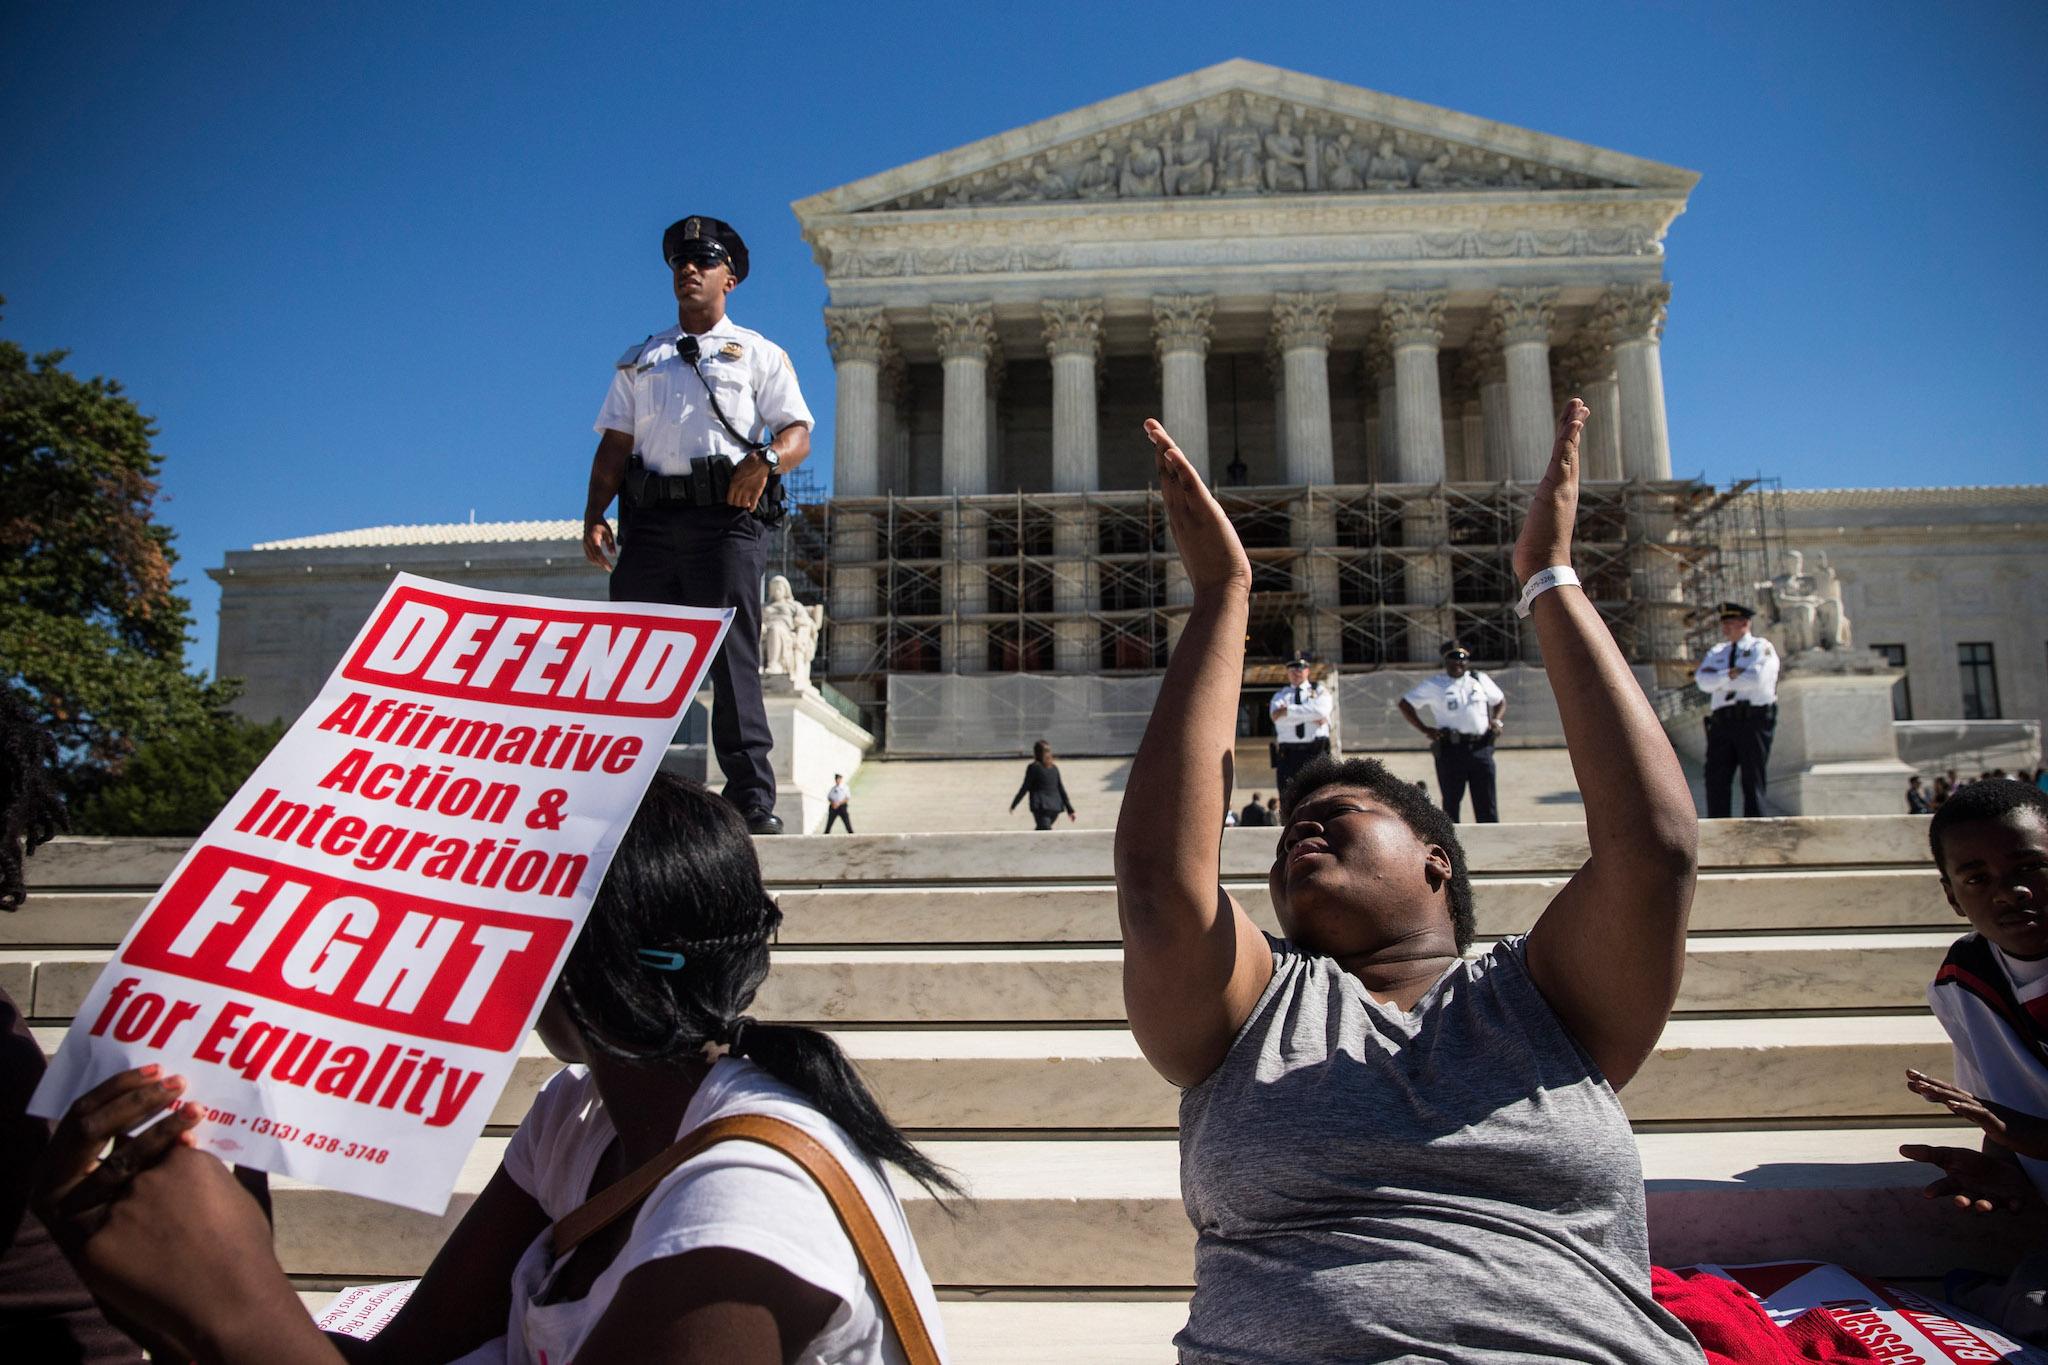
994 309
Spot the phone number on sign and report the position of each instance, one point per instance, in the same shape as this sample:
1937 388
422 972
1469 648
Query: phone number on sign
289 1132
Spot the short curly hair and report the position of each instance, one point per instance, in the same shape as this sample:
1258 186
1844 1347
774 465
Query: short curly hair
1994 798
1409 802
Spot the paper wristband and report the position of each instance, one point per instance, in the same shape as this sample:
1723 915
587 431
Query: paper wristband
1558 576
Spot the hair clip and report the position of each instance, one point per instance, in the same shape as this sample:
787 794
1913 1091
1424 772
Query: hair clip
660 959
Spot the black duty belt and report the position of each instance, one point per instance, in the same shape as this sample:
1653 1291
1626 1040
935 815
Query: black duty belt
1459 740
706 485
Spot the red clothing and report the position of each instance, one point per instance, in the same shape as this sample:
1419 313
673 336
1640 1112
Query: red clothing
1733 1328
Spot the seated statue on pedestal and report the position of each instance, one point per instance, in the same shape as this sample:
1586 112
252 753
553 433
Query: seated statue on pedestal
789 633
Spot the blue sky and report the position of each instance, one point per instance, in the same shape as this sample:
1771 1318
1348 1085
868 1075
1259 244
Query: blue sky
372 263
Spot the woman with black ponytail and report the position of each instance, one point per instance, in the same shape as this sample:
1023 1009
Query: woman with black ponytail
734 1257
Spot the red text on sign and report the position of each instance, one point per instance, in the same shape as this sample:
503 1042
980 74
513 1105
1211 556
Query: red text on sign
427 968
561 659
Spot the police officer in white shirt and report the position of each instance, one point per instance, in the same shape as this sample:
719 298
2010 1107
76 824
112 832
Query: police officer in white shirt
1467 711
1301 721
836 797
701 422
1741 675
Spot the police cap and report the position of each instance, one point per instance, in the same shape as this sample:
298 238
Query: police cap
1298 661
1735 611
714 233
1453 647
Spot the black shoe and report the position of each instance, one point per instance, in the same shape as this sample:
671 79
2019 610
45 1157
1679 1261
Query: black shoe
764 822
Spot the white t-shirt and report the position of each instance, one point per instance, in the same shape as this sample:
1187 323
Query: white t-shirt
1991 1059
656 399
1461 705
738 1195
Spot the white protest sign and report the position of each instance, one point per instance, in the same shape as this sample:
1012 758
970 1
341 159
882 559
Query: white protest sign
346 963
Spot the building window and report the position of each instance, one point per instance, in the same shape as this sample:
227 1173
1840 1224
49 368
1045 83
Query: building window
1902 690
1980 681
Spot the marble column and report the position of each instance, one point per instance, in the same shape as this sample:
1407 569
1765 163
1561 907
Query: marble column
1412 321
894 395
1492 366
1472 417
1635 320
1301 334
1588 370
859 341
1073 339
1524 317
966 341
1180 331
1382 436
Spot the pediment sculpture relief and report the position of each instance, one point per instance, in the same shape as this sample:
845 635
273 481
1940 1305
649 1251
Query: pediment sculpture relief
1243 145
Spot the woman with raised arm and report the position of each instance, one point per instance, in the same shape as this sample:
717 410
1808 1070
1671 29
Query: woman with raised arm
1390 1151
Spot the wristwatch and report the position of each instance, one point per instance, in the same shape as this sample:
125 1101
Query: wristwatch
770 458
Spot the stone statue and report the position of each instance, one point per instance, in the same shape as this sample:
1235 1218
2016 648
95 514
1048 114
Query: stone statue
1240 168
1790 602
1188 171
1051 184
1340 169
1833 617
1435 173
1097 179
1286 161
1387 170
1144 172
789 633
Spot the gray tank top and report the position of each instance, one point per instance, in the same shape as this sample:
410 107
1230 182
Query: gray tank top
1455 1184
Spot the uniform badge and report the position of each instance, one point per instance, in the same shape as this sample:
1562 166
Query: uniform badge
732 350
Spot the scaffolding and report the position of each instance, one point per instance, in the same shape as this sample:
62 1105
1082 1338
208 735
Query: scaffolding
1362 577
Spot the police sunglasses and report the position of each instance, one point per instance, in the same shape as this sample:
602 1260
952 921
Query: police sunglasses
704 255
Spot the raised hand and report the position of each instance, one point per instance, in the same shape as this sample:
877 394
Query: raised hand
1974 1182
2010 1128
1546 538
1208 544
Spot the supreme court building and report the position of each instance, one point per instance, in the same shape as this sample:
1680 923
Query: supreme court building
1358 315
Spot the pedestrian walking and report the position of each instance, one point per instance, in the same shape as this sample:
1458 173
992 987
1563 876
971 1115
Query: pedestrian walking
1042 784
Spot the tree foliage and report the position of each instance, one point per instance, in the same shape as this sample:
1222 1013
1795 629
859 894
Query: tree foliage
92 634
177 782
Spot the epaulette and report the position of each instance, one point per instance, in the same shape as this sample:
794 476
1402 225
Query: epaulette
634 352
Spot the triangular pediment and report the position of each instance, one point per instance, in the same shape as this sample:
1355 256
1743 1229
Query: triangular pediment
1244 129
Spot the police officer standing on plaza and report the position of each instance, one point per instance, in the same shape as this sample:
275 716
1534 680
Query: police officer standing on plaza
701 422
1741 675
1301 721
1467 711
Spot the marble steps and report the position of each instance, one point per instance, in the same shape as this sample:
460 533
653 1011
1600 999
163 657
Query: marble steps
1749 974
1862 841
1762 1073
1108 1214
1030 1331
1766 901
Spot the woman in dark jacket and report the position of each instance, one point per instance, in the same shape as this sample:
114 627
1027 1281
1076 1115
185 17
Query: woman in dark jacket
1042 783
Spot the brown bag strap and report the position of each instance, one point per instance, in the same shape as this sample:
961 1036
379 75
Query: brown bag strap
869 1243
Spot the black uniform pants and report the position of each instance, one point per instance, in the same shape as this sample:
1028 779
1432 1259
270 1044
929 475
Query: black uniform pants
1290 759
1738 739
711 557
840 814
1461 765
